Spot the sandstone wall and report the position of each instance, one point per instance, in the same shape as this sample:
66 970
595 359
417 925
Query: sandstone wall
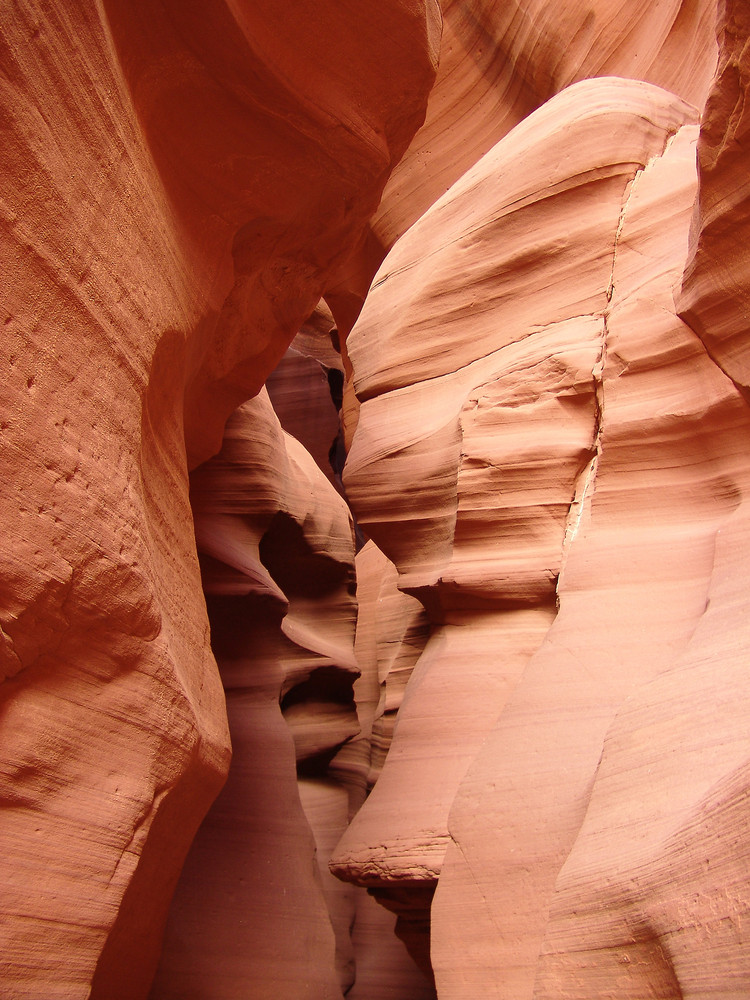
277 557
578 508
499 61
256 911
518 719
715 297
177 184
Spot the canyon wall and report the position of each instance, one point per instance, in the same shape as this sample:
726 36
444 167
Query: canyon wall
557 345
488 737
178 183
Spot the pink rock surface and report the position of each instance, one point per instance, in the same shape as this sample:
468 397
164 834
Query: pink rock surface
421 407
583 674
442 721
276 547
306 389
533 750
715 297
384 967
499 62
534 305
392 631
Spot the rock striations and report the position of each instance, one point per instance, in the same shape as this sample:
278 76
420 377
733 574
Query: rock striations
487 737
277 557
715 297
178 182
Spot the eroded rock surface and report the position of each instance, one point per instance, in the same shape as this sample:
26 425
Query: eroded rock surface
178 182
277 554
521 347
276 547
715 297
499 62
523 728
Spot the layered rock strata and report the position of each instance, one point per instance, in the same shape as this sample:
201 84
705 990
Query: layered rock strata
715 298
392 631
501 61
277 554
306 391
521 348
546 408
276 547
178 182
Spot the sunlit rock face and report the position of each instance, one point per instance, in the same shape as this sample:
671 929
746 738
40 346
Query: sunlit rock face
178 183
571 472
499 62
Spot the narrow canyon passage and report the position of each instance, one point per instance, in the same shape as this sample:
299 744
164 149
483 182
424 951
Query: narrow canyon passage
375 423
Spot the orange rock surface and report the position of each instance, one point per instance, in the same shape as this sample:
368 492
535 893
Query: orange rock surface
715 297
177 185
276 547
501 60
508 241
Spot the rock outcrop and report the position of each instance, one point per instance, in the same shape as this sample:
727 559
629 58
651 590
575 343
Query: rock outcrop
499 62
276 547
277 554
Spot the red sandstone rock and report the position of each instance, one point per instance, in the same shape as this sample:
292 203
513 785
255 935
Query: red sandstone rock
647 608
177 184
554 463
499 62
420 403
277 551
445 715
391 633
392 630
384 968
301 396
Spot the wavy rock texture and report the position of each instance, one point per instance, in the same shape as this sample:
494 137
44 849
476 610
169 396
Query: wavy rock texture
533 750
277 553
178 182
392 630
585 674
715 298
300 390
499 62
276 547
580 501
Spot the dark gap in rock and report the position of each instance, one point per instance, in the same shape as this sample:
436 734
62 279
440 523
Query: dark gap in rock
297 569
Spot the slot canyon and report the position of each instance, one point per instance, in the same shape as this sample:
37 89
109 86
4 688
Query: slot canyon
375 429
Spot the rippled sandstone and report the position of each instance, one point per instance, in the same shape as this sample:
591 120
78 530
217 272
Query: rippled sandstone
178 182
545 406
